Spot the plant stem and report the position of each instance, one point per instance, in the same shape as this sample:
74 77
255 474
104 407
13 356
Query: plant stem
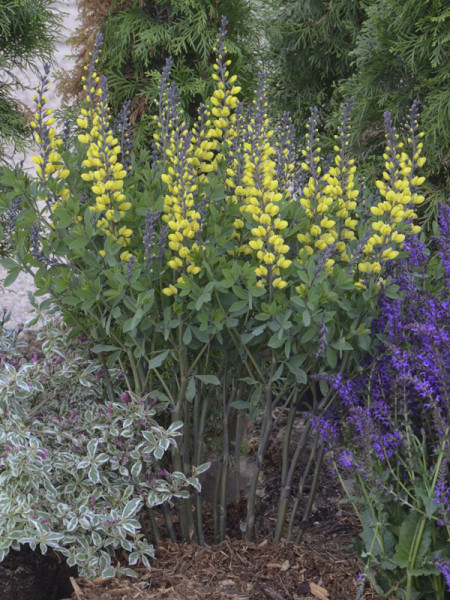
107 378
199 433
312 493
301 486
169 524
154 525
237 455
225 457
266 429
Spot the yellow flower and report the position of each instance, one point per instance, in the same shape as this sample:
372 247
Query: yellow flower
170 291
279 283
125 256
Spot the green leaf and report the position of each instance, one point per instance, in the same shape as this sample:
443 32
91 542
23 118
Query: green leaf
103 348
331 357
202 299
275 341
310 333
239 307
410 531
209 379
158 360
132 323
342 344
8 263
300 375
187 336
364 341
306 318
88 226
240 405
190 389
202 336
11 277
240 293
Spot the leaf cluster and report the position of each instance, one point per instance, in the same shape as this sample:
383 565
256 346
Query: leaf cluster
76 470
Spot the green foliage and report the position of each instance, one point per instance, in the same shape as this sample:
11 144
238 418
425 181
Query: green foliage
76 470
28 29
215 280
310 44
140 36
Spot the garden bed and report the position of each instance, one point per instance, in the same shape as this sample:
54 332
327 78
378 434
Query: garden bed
323 567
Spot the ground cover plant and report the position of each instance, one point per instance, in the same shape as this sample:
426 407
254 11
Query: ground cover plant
216 277
391 431
75 470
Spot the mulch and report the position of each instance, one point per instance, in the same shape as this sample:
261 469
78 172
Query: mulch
323 567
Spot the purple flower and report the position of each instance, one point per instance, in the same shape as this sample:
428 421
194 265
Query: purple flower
444 567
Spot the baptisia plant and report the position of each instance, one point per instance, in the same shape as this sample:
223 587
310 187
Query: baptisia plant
212 272
390 432
75 470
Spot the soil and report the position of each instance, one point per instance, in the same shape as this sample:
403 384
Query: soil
28 575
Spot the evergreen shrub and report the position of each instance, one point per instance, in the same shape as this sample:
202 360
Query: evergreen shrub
310 45
403 54
139 36
383 53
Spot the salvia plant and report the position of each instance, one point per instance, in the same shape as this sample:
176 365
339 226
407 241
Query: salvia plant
390 432
75 470
214 273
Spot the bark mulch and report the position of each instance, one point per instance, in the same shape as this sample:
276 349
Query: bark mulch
318 569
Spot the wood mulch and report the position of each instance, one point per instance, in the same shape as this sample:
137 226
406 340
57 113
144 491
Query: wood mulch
323 567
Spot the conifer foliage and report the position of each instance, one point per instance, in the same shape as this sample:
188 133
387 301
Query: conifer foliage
310 42
28 29
384 53
402 55
139 36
